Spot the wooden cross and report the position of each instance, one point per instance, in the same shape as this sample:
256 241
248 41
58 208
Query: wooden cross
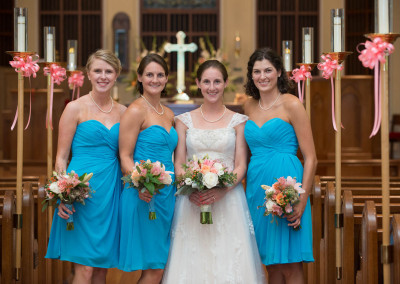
180 47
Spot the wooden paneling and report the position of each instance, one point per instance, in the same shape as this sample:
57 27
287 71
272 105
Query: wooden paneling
6 31
283 20
357 118
73 19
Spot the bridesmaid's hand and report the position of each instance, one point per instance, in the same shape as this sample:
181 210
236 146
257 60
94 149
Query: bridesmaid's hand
64 212
195 198
213 195
298 210
145 196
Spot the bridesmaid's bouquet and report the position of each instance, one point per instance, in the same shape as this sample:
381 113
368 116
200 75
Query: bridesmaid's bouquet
150 176
67 188
281 197
201 175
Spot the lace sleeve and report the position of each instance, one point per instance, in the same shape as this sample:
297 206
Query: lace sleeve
186 119
238 119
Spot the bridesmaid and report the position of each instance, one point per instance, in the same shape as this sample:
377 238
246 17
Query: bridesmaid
278 124
147 132
90 125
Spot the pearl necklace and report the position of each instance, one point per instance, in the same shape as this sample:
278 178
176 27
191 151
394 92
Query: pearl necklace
259 103
105 111
159 113
212 121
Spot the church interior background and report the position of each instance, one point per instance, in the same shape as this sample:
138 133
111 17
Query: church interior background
233 28
227 29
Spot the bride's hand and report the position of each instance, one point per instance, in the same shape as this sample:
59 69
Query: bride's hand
195 198
213 195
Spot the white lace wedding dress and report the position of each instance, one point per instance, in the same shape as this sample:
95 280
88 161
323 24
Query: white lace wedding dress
223 252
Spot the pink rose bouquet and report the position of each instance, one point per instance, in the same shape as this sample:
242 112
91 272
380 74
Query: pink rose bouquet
201 175
281 197
150 176
67 188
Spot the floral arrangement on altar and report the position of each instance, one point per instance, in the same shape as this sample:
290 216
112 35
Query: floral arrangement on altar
281 197
131 79
208 52
201 175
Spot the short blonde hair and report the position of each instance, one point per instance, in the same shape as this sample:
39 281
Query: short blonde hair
107 56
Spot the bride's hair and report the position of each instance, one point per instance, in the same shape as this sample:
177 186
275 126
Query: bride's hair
211 64
260 54
152 57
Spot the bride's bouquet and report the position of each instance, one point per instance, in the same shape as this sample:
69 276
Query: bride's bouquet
281 197
149 176
201 175
67 188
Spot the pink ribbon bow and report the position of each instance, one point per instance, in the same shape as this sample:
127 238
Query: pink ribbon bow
57 74
27 68
375 52
76 80
327 67
301 74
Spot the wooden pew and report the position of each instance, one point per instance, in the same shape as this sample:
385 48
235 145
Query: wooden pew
7 239
396 248
313 274
348 275
368 273
327 244
43 265
28 221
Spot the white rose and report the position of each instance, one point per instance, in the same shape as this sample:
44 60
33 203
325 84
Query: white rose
188 181
218 166
54 188
269 205
210 180
220 172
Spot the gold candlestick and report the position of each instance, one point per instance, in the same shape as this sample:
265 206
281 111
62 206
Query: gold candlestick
340 57
20 160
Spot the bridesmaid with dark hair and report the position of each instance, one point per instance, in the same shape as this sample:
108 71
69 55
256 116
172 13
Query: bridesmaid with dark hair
147 132
278 125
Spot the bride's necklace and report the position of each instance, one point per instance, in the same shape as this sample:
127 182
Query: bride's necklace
267 108
105 111
212 121
162 109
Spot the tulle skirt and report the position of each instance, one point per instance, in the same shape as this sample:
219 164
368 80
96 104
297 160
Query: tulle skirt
222 252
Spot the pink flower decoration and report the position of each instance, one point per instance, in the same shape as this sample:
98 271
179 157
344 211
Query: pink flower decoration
375 52
27 68
327 67
301 74
76 80
58 74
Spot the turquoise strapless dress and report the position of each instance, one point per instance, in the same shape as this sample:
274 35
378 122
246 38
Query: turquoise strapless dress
145 243
274 148
95 239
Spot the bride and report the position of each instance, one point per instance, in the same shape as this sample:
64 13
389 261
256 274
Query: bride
226 251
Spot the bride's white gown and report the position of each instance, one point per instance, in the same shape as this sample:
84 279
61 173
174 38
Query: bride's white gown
226 251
